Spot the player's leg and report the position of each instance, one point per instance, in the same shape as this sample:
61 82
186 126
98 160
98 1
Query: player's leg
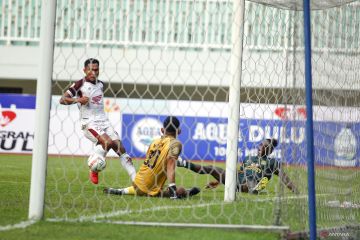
96 133
120 191
92 133
106 137
125 160
105 141
99 154
216 172
260 186
118 147
242 183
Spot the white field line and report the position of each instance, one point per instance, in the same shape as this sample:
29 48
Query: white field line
295 197
203 225
23 224
161 208
14 182
127 211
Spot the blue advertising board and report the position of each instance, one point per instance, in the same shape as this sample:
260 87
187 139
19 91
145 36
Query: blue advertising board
21 101
204 138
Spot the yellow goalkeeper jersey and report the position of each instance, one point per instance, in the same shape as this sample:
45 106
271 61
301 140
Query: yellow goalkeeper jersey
151 176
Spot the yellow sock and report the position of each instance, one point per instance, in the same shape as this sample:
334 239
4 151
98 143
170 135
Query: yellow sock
129 191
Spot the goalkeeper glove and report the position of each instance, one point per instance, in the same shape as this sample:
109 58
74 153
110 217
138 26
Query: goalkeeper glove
172 191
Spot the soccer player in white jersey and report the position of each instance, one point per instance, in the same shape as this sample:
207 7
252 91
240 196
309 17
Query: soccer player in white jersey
88 94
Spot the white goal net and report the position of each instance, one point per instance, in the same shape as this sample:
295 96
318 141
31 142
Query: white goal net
160 58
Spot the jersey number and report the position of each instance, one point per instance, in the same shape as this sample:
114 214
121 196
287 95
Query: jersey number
153 157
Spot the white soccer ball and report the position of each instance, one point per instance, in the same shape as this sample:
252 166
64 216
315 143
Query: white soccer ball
96 163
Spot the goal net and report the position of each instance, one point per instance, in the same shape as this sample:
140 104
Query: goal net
160 58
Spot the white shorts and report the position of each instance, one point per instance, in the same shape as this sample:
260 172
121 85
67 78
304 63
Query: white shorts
93 130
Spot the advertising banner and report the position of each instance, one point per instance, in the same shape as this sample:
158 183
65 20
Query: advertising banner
203 124
17 121
205 138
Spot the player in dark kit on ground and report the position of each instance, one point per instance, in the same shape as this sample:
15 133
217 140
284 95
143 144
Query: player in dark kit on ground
254 173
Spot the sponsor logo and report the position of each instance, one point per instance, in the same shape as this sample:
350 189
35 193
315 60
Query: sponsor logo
16 141
6 117
111 106
96 99
144 132
345 145
289 113
256 133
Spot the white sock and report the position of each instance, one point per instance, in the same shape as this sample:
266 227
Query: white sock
129 167
100 150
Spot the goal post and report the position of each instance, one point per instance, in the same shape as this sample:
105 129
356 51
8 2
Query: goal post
237 33
309 121
43 103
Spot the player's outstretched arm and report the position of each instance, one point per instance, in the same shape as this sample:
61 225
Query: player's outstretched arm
287 182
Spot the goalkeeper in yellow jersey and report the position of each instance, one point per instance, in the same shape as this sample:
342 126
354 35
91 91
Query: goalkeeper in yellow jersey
159 166
254 173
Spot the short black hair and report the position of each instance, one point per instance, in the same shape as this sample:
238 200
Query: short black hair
91 60
272 142
171 124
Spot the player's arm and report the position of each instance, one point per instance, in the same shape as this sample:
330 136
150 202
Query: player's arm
170 173
69 97
174 152
171 163
66 99
287 181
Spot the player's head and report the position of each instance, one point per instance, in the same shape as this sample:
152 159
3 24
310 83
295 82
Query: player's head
267 147
91 69
171 126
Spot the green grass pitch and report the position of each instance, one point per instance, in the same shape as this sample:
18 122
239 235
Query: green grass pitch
92 215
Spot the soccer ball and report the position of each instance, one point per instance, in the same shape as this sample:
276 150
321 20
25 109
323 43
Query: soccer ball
96 163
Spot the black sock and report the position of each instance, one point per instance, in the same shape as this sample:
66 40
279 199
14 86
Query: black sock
191 166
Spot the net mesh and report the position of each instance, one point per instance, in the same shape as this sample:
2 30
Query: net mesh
298 5
172 57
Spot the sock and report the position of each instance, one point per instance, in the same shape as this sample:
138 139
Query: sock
129 167
129 191
182 163
187 164
190 166
100 150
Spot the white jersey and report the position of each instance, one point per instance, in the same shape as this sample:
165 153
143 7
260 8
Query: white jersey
94 110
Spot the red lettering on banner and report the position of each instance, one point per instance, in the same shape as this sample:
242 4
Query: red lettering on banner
288 113
301 112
